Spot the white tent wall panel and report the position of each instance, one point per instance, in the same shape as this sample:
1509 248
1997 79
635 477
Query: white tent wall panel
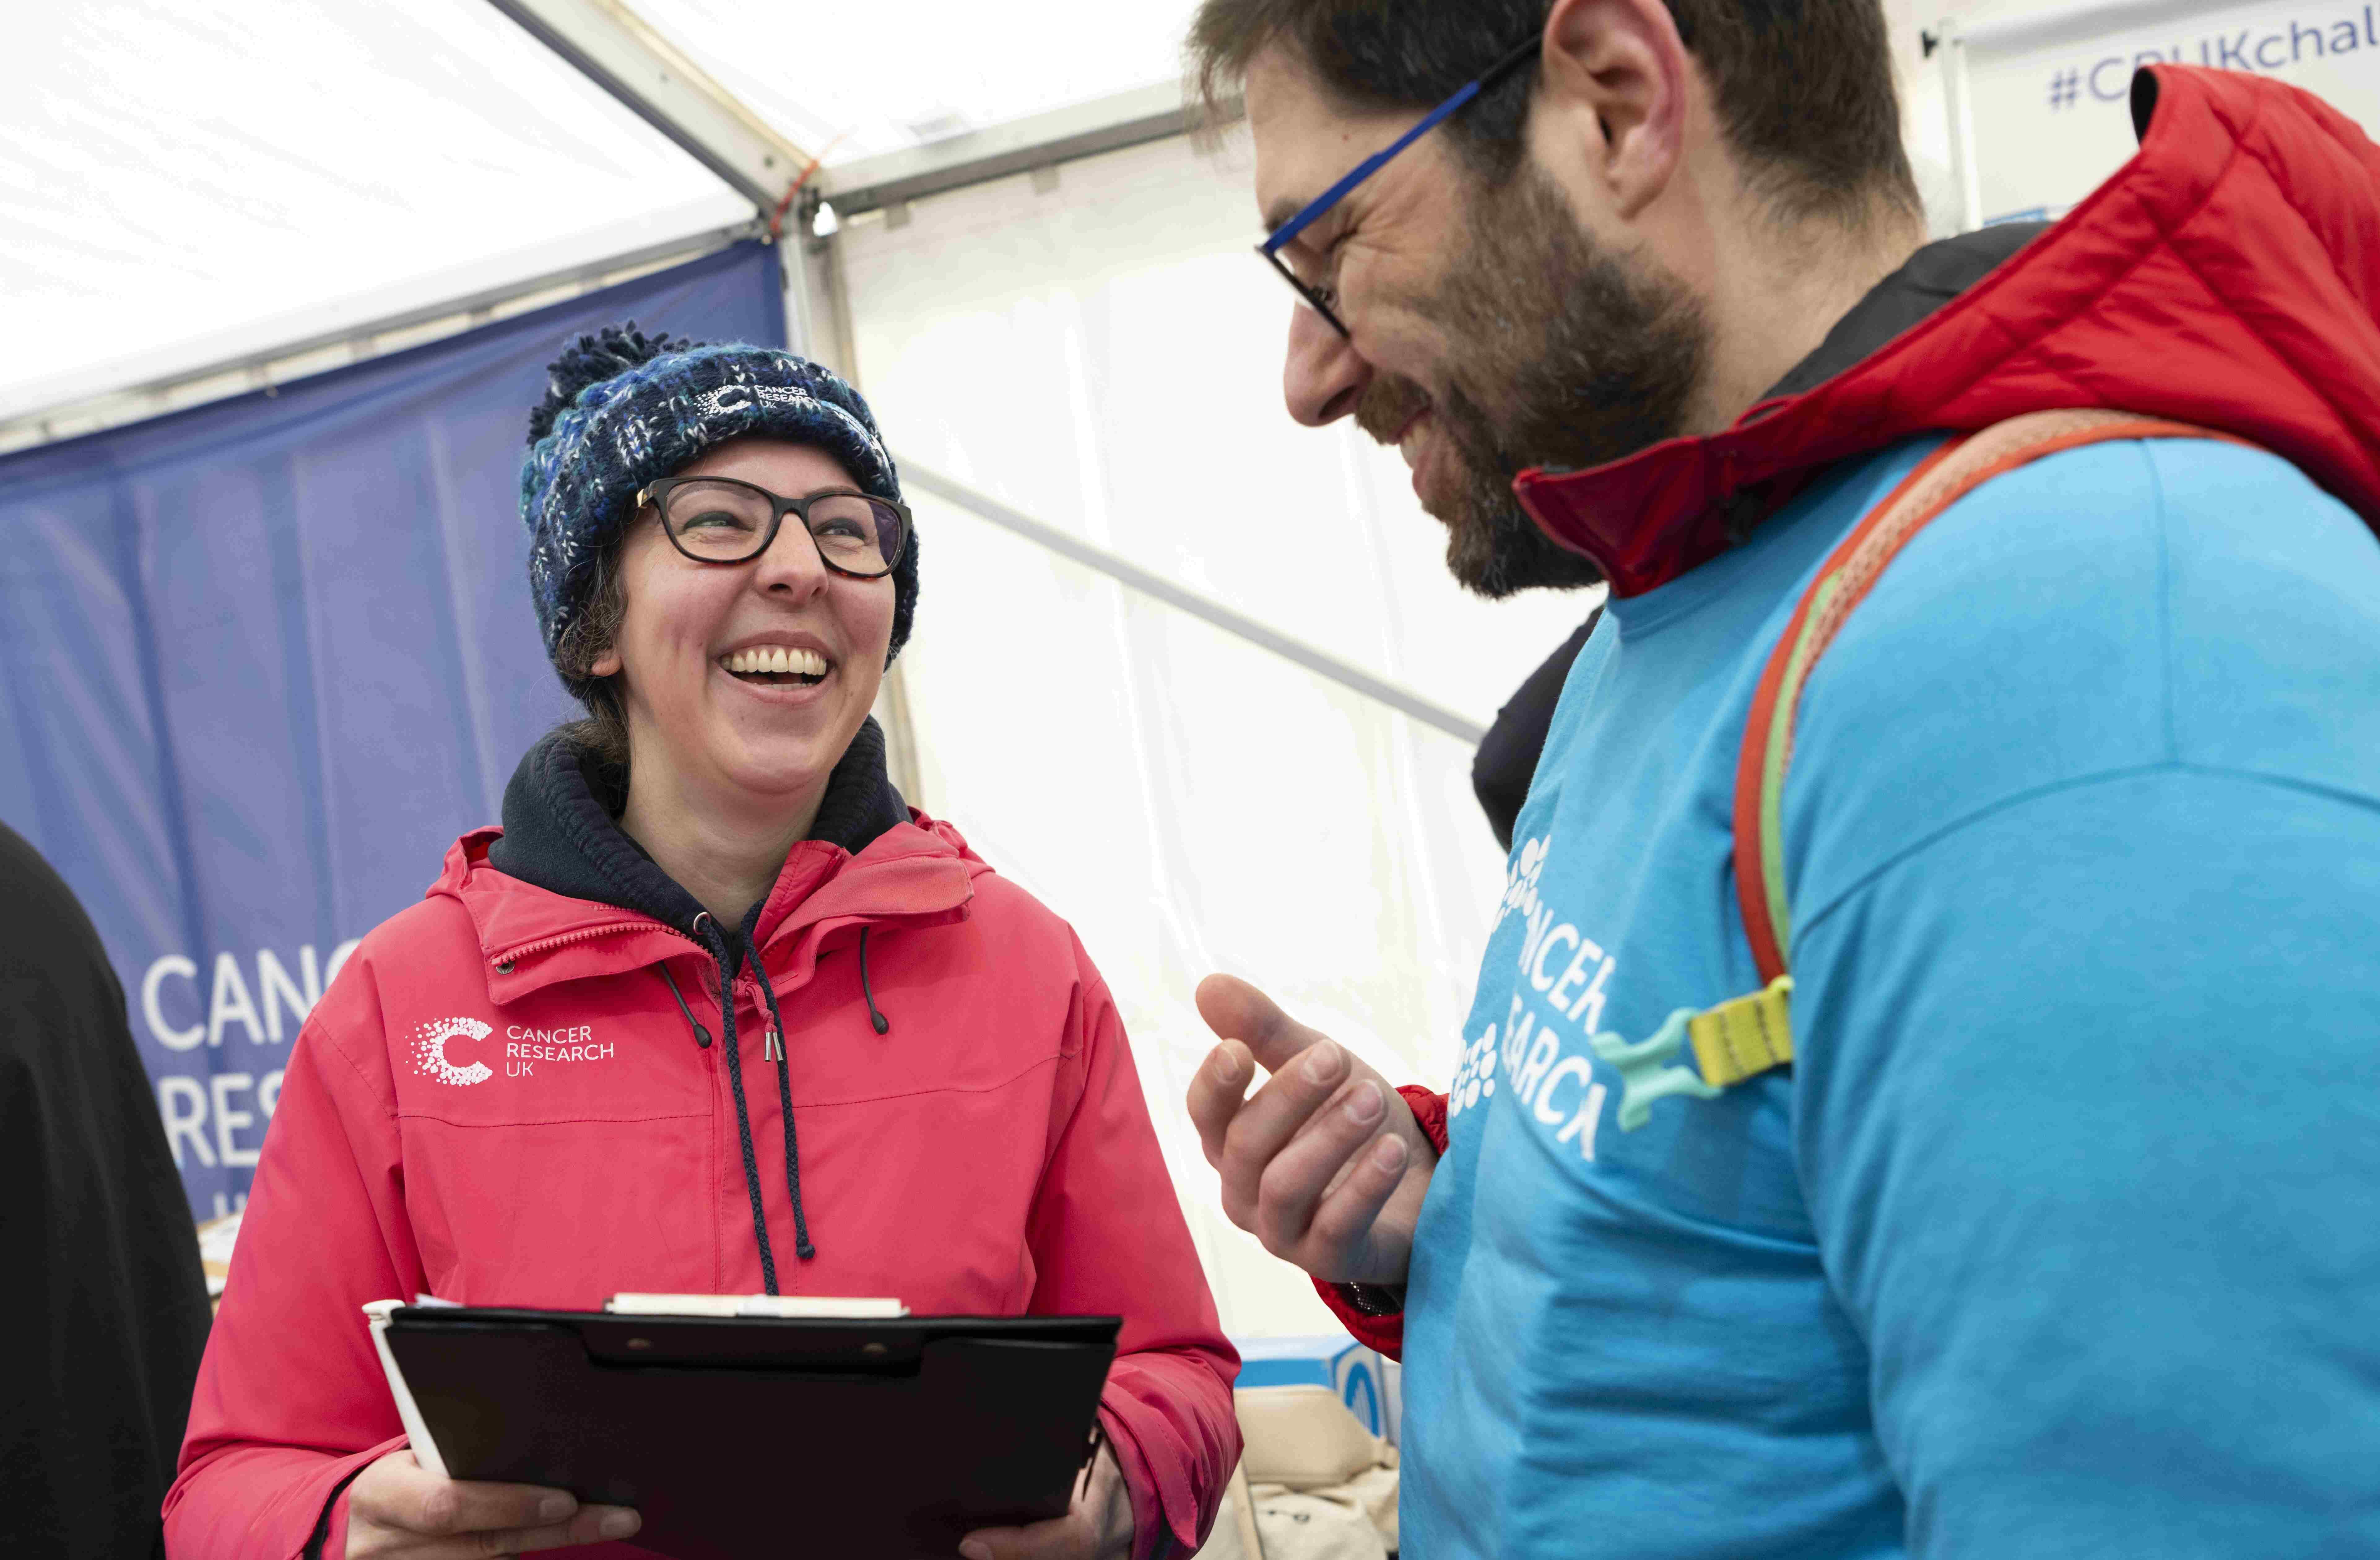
1192 803
1106 356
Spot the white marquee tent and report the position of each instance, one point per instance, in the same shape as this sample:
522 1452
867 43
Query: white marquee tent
1206 754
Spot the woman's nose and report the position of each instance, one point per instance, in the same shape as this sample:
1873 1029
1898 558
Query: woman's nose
1324 376
792 563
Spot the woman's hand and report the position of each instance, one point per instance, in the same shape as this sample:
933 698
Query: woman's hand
399 1510
1326 1164
1097 1527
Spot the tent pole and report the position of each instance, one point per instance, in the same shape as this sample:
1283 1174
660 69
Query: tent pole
1230 620
1957 98
620 52
835 344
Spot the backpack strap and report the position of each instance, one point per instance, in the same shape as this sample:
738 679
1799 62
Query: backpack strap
1751 1034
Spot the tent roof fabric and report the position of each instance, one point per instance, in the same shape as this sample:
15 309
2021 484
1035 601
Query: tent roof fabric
195 180
853 81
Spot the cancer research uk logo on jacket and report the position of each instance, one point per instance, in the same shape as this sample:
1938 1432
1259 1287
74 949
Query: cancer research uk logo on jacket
1542 1048
524 1048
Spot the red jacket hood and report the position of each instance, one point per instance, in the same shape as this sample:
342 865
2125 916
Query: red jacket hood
2228 275
919 874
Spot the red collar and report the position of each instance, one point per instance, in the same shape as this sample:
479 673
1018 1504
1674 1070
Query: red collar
2227 276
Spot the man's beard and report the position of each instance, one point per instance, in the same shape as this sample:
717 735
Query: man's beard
1560 355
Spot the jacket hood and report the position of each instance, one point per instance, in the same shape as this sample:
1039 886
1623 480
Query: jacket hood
562 831
2227 276
560 893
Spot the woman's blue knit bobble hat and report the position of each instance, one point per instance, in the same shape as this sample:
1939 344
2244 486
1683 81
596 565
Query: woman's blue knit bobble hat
623 408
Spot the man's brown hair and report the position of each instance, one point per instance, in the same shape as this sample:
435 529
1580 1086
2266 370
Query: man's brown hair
1804 87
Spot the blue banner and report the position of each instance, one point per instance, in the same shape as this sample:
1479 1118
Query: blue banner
268 657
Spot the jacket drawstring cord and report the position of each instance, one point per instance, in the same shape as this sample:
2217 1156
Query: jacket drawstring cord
802 1246
716 942
884 1025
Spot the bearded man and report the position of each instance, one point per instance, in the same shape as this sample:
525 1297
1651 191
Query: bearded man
2049 1232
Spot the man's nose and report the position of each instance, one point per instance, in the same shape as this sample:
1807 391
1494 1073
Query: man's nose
1324 376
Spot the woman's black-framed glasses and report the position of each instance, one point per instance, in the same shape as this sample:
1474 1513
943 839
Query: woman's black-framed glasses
722 520
1320 295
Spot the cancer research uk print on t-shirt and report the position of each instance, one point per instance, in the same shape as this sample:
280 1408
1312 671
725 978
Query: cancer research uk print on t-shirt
1543 1041
1572 1252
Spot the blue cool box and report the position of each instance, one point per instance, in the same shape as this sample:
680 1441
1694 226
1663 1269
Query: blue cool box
1364 1381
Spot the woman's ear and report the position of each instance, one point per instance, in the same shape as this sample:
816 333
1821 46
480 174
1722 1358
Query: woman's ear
606 665
1614 83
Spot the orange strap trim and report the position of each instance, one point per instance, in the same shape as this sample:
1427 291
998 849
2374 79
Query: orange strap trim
1844 581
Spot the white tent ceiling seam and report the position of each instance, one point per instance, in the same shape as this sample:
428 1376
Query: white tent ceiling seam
1043 140
629 58
1156 586
635 62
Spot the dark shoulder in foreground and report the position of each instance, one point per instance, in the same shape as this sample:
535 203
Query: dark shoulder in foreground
115 1287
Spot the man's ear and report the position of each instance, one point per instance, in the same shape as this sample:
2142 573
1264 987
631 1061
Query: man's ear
1613 85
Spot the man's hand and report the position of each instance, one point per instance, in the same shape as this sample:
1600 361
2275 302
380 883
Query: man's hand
1326 1164
399 1510
1097 1527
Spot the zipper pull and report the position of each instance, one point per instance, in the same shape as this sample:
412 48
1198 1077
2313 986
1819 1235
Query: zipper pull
701 1035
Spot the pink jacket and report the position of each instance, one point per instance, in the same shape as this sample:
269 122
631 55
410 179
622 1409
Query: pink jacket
499 1101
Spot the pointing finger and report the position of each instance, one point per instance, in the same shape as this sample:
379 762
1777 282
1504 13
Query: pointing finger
1236 1011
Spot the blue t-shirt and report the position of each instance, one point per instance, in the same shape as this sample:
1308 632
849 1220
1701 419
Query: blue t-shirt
2062 1236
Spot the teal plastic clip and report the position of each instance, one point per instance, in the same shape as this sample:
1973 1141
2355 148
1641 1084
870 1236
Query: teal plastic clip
1644 1077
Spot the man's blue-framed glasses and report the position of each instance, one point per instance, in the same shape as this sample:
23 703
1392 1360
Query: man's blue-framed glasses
1319 295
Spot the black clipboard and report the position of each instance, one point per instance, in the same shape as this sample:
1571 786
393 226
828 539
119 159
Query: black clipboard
737 1437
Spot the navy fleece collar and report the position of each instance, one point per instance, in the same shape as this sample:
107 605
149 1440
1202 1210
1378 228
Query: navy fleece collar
561 834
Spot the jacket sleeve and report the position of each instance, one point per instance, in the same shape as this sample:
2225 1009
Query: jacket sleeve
291 1401
2086 1120
1108 1237
1387 1332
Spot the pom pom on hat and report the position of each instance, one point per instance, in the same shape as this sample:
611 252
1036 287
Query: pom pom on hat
623 408
590 359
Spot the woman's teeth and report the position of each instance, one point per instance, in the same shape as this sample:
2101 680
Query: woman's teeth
774 661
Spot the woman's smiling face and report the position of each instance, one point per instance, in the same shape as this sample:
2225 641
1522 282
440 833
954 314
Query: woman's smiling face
748 740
